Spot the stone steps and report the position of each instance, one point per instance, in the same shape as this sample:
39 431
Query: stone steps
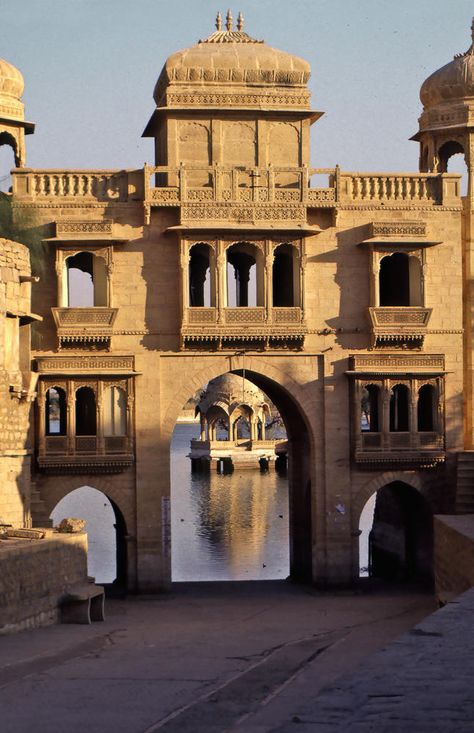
39 515
465 483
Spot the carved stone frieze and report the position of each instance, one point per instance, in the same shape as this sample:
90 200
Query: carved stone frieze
71 227
79 364
398 229
244 214
397 362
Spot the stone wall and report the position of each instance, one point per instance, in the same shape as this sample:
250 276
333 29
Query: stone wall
453 554
15 401
33 576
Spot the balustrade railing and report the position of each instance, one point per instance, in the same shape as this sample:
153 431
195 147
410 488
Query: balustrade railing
99 185
400 441
235 316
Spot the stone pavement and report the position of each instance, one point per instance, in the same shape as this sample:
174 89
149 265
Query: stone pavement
208 657
422 682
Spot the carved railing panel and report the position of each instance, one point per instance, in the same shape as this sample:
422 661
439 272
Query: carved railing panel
244 315
86 444
286 315
202 315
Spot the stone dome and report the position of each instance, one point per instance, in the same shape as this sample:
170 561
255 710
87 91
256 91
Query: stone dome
229 389
231 57
11 80
452 82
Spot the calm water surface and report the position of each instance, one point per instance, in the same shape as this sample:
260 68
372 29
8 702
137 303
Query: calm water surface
226 527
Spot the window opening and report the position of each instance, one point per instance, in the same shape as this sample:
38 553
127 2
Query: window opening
426 405
56 412
369 405
284 277
399 409
200 277
86 416
86 281
115 412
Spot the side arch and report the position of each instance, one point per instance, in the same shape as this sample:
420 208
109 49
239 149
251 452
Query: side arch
362 497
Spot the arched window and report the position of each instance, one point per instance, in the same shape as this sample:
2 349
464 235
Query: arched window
8 160
86 417
115 412
399 409
400 280
201 290
426 408
285 276
56 411
244 268
86 280
369 409
452 158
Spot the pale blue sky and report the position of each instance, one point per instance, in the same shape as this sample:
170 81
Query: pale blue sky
90 67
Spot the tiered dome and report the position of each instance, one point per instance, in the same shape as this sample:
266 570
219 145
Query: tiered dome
453 81
231 57
230 389
11 80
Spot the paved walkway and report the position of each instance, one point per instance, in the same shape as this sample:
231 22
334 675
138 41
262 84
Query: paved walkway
208 657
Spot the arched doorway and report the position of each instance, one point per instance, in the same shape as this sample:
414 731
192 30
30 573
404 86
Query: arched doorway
396 534
106 534
298 507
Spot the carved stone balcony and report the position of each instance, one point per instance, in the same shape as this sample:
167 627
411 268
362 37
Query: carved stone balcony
412 449
78 326
392 325
85 453
230 327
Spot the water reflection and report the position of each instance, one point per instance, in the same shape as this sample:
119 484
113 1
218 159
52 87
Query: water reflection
226 527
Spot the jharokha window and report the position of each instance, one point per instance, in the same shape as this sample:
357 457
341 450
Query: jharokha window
398 416
85 424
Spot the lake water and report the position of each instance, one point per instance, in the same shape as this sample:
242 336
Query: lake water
226 527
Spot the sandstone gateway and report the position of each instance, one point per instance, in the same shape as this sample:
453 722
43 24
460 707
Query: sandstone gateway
358 327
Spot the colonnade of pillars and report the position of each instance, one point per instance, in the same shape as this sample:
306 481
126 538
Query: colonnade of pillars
208 429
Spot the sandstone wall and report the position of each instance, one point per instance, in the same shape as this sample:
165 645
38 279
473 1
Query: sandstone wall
15 407
33 576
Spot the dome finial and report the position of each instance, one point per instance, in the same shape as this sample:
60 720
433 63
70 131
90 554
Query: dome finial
240 22
218 21
228 21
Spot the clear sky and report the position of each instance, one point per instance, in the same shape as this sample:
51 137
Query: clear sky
90 67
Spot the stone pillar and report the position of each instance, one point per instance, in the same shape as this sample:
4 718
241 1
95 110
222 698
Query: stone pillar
202 421
41 399
221 283
99 402
386 414
184 282
71 418
268 284
413 416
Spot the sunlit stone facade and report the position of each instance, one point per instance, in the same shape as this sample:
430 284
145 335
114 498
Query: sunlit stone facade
349 305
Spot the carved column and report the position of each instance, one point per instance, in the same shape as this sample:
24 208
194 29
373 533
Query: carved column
386 414
184 281
221 282
71 418
413 416
358 387
41 400
374 277
110 270
202 421
62 296
303 264
99 404
268 283
130 405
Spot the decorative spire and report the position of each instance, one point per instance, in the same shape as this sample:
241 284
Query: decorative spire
229 35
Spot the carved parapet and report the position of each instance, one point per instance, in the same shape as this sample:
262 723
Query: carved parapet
84 325
81 185
393 325
240 326
377 189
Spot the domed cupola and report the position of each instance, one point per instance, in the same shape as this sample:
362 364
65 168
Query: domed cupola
12 114
210 97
